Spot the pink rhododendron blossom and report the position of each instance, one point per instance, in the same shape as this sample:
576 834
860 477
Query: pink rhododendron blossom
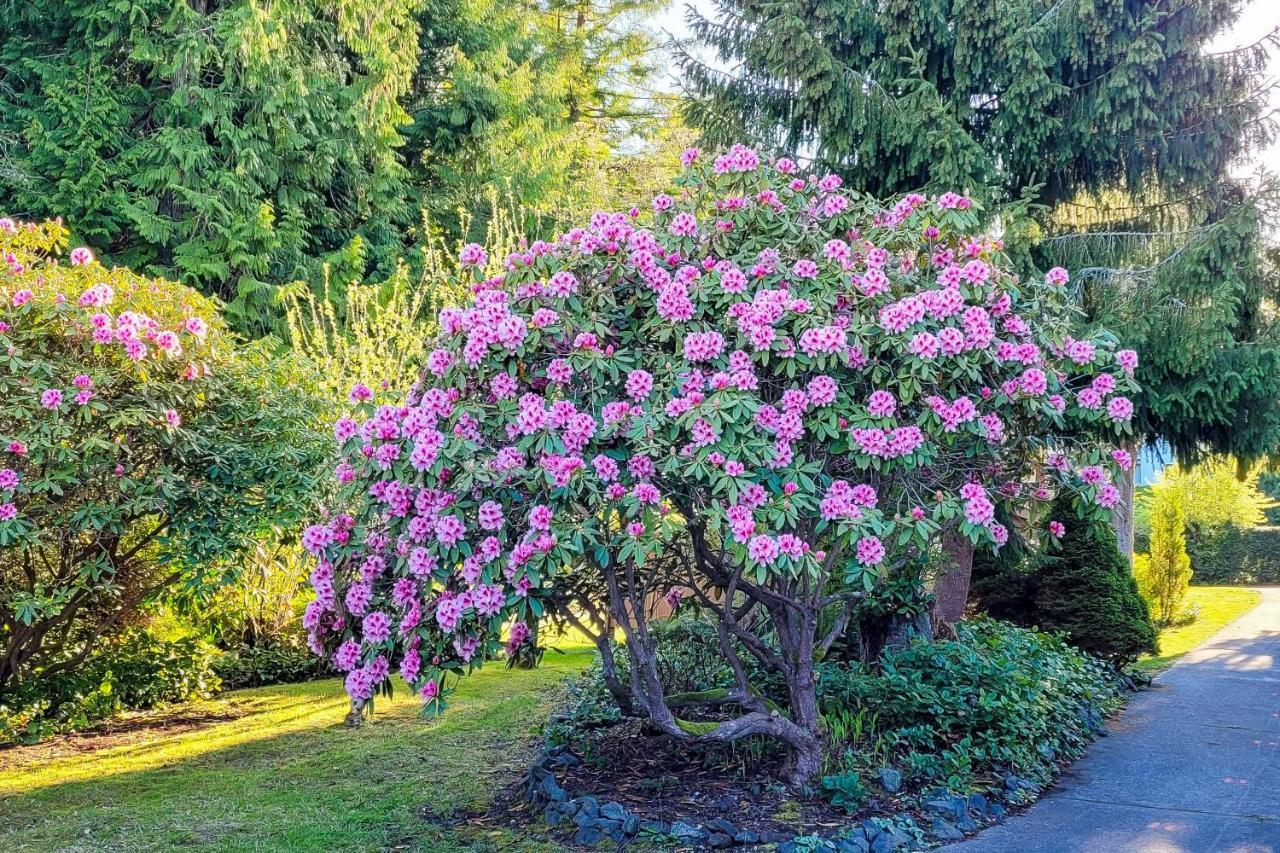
870 551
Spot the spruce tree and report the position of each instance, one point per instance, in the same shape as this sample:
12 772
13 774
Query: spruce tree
1110 124
1053 96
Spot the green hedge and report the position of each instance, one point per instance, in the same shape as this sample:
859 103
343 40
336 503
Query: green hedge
1235 555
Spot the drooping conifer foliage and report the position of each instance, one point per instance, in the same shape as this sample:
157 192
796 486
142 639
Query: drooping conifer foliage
1115 117
1060 95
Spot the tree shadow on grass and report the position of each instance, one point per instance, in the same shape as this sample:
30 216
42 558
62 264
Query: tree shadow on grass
320 786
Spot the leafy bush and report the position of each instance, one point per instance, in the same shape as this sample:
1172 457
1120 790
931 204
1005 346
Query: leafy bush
285 661
946 712
727 394
141 448
131 671
1235 555
953 712
1087 589
845 790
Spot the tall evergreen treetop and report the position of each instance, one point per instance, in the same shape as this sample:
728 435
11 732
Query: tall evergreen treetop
1110 117
1063 95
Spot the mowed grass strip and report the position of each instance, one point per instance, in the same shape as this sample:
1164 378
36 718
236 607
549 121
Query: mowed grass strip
1217 606
273 769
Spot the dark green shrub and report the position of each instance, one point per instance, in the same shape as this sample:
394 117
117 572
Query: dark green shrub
951 713
1234 555
133 671
955 712
1004 584
1087 590
284 661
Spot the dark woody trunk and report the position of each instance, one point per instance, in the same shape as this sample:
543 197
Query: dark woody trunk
951 589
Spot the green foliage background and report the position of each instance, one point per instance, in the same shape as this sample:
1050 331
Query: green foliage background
235 146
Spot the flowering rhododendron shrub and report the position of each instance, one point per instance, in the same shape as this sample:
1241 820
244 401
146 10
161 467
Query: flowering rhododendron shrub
138 446
766 392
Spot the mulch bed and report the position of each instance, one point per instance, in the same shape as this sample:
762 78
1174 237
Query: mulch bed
659 778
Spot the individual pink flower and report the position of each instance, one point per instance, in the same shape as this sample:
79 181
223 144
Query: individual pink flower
80 256
763 550
540 517
1056 277
173 418
167 342
1120 409
1057 528
646 493
881 404
1108 496
639 384
51 398
870 551
376 627
822 390
473 255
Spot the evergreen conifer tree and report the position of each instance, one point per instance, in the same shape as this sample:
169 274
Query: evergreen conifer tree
1111 124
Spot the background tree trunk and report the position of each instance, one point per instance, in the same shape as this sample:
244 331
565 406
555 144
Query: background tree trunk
1122 514
951 589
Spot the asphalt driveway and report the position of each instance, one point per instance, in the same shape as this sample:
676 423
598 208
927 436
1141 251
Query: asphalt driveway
1191 766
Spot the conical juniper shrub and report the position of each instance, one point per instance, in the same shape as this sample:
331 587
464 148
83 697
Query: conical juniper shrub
1086 589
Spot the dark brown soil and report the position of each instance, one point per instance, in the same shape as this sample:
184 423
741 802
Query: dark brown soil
658 778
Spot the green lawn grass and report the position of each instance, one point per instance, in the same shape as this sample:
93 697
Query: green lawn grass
284 774
1218 606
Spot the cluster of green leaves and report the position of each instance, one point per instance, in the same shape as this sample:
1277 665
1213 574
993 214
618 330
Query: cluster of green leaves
285 660
954 712
1235 555
149 488
128 672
